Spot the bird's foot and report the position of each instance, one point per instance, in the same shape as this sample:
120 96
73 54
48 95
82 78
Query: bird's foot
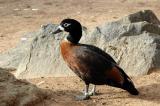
92 93
82 97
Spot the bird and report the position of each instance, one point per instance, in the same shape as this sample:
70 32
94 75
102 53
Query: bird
90 63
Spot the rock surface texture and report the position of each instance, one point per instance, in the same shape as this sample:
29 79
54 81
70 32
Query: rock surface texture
43 58
14 92
133 41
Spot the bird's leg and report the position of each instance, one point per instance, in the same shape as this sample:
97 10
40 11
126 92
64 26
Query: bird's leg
93 91
86 94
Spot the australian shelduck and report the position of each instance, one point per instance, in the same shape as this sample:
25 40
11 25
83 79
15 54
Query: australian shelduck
90 63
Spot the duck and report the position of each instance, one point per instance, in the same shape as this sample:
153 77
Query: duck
90 63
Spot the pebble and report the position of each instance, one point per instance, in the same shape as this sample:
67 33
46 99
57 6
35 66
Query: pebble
26 9
103 103
1 35
40 83
16 9
94 101
35 9
23 39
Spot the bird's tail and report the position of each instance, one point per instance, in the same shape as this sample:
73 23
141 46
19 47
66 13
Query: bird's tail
128 84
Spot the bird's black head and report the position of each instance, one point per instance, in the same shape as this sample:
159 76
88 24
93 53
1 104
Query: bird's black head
71 26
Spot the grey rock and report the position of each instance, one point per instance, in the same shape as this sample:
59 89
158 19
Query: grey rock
145 15
43 58
134 43
135 54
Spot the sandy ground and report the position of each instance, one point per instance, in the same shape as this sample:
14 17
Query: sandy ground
18 17
64 91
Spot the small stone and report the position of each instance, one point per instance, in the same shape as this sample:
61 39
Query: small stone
16 9
40 83
23 39
35 9
94 101
103 103
1 35
26 9
78 12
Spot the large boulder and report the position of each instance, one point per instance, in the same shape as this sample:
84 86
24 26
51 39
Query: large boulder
43 58
133 41
14 92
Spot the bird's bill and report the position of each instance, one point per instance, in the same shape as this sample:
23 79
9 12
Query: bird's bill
58 30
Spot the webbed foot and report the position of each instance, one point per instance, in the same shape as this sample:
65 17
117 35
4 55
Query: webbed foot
82 97
92 93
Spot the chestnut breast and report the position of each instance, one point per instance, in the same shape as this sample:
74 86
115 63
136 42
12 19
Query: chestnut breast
67 51
69 55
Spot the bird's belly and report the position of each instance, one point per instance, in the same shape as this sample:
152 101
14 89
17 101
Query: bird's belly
75 66
86 72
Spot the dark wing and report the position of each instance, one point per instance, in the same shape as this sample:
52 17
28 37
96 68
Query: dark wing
106 55
93 57
99 51
99 65
94 66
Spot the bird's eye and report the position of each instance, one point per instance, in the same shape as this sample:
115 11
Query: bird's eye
66 24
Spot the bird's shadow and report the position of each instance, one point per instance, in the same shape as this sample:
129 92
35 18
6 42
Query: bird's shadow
147 92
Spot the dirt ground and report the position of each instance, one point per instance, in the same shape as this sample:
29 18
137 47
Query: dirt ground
18 17
64 90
